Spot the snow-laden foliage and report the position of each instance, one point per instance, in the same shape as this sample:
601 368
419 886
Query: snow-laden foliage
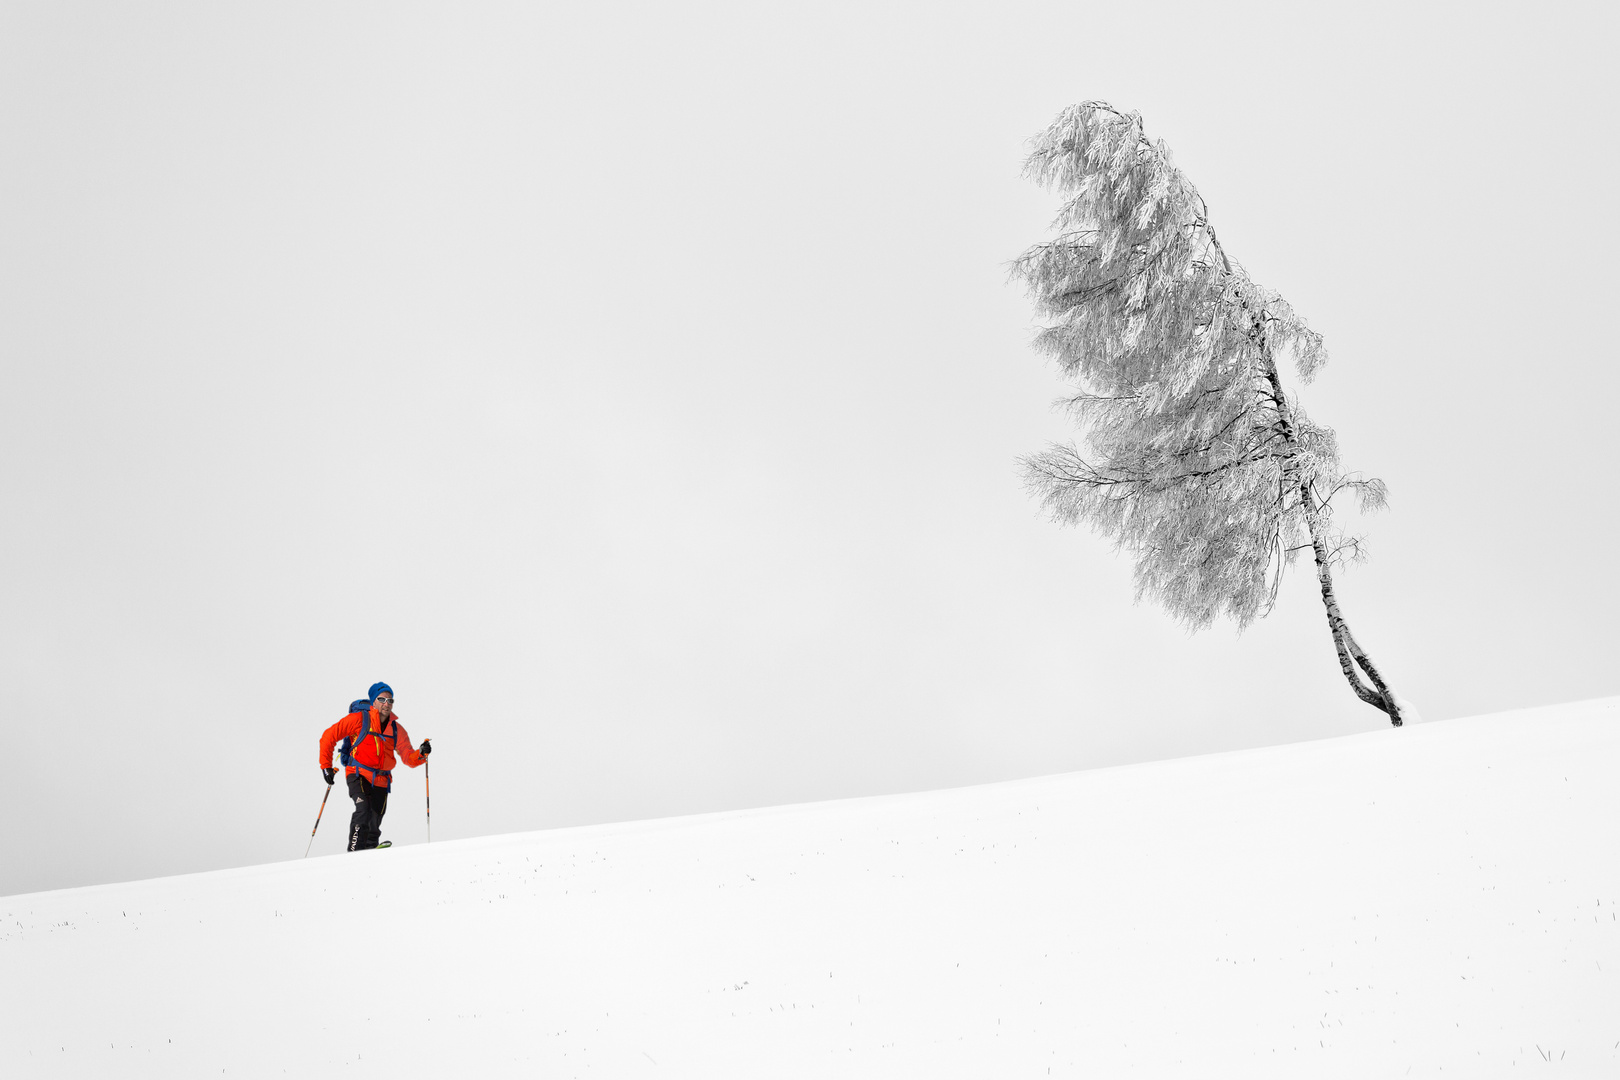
1195 460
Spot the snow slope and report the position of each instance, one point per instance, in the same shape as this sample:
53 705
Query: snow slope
1437 900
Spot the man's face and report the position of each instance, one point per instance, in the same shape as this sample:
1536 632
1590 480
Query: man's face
385 705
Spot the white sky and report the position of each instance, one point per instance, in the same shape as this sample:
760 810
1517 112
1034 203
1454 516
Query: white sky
638 391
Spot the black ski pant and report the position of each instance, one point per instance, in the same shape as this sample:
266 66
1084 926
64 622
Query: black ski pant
370 803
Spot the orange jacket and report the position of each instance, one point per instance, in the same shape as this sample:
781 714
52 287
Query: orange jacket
376 754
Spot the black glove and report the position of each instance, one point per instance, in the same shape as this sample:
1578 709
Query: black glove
330 774
426 748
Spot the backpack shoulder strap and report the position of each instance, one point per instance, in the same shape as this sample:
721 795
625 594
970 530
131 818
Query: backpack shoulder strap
392 729
350 742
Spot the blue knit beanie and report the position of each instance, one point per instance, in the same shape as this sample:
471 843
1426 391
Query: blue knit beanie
377 688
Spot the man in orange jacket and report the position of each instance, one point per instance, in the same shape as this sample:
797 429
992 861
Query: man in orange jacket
371 736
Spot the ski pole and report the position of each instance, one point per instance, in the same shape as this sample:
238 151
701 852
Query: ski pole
427 787
317 820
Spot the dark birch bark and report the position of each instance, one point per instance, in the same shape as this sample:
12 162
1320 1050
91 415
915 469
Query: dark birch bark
1351 654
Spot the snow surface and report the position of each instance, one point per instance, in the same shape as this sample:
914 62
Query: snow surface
1435 900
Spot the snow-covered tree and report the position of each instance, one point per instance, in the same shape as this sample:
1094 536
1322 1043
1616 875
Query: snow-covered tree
1197 460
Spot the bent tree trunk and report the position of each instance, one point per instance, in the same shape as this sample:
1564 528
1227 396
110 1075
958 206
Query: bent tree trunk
1351 655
